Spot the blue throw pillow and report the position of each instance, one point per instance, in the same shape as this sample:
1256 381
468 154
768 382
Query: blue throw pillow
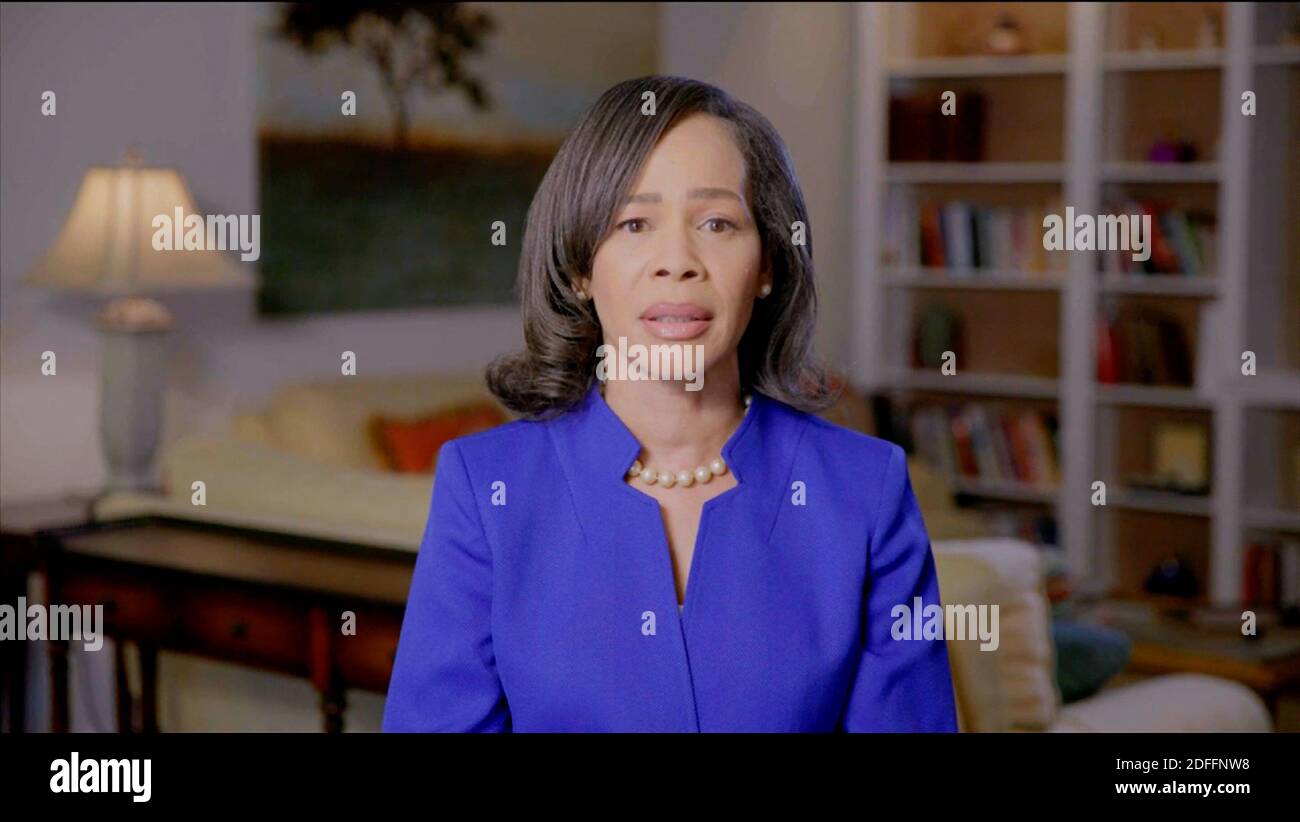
1086 656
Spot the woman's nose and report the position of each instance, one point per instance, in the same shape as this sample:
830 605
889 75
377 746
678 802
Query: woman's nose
677 257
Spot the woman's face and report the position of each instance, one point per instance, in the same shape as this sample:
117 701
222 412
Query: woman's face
683 262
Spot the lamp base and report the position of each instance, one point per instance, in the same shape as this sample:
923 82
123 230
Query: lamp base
135 336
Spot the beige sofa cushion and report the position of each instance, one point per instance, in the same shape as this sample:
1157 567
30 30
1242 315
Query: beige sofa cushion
1026 666
976 681
326 420
943 519
1169 703
243 479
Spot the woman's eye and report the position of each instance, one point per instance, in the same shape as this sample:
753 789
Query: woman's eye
719 220
634 220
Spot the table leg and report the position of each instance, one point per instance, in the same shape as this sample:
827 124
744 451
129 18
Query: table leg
58 686
125 720
333 700
15 683
148 687
332 705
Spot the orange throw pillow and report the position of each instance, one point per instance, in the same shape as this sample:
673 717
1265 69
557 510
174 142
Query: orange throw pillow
411 445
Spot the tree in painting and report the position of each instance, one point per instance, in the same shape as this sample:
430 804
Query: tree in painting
414 46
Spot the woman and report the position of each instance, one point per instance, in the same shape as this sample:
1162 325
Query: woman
639 555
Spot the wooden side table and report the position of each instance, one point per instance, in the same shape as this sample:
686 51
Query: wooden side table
19 524
271 601
1268 663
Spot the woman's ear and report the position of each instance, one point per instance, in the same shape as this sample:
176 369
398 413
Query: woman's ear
581 288
764 281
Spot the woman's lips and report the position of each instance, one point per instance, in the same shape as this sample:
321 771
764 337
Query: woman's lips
676 321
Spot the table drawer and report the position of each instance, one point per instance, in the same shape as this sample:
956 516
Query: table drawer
132 605
237 626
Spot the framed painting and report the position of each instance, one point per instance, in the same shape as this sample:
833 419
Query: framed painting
392 136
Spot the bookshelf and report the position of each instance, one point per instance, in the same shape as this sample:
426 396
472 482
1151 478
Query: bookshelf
1072 123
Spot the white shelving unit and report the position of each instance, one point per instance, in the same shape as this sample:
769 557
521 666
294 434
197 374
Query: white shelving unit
982 280
1122 172
974 172
1164 60
1277 55
1088 166
1167 285
992 385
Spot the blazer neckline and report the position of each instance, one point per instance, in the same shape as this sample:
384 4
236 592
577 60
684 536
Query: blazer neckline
602 447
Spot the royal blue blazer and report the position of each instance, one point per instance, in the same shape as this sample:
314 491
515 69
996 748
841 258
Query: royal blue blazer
543 595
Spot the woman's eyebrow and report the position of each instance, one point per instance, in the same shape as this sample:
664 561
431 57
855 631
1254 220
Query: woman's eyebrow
693 194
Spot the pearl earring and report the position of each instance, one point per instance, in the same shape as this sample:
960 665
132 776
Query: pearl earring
765 290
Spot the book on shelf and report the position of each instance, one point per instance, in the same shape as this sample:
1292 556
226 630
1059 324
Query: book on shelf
965 238
919 132
983 442
1271 574
1181 242
1140 345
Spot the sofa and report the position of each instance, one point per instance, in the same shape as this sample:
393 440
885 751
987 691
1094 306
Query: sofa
304 463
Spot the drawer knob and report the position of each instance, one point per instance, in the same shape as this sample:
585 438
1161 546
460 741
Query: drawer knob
239 630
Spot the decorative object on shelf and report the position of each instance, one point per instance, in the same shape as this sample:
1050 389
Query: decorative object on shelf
1173 577
1005 38
937 330
1207 33
1179 455
1172 151
105 248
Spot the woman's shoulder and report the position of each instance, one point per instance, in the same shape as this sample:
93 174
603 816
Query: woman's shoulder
515 438
822 436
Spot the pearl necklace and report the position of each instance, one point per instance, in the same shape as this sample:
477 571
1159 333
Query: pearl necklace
667 479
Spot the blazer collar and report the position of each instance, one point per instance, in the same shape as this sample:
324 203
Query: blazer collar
597 446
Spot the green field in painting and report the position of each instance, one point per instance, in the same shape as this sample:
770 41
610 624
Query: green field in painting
354 227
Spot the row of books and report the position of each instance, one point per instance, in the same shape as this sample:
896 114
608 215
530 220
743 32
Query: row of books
1180 243
965 237
988 443
1140 345
1271 574
920 131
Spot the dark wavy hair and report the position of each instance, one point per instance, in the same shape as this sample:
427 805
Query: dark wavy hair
574 211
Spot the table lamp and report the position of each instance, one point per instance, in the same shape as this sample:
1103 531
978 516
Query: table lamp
106 248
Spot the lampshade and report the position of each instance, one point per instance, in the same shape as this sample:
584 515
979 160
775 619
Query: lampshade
106 244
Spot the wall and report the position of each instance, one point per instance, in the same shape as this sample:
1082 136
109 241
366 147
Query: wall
790 61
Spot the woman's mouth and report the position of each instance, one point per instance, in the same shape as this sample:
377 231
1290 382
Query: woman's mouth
676 321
